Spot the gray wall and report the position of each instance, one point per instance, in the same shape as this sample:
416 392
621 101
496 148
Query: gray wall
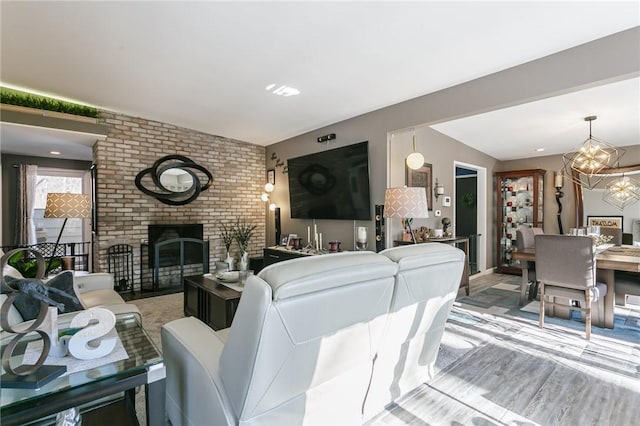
609 59
553 163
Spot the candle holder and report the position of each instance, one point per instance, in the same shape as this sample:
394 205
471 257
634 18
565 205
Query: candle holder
361 238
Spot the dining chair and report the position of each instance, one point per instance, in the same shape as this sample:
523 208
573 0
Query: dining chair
615 233
566 268
525 238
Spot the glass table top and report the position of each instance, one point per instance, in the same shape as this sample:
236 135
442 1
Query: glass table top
143 356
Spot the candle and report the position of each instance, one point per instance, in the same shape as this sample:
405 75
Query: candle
320 239
559 180
362 234
308 234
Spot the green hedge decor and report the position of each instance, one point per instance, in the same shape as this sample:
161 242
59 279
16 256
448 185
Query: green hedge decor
24 99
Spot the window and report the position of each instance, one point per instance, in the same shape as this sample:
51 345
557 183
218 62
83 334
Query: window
60 180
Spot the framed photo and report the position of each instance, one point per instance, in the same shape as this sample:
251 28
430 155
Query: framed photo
284 240
291 239
605 221
271 176
422 178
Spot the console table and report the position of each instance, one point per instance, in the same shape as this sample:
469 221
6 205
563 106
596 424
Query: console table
209 300
454 241
276 254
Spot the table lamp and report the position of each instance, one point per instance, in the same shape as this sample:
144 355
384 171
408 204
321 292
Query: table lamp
406 203
65 205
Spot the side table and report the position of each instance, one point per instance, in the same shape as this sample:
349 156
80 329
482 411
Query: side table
206 298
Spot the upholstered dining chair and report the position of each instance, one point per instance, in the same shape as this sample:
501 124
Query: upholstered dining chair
566 268
525 238
615 233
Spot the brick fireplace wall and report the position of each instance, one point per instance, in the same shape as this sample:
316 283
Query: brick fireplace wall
124 212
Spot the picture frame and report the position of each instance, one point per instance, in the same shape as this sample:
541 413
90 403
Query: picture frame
271 176
284 240
290 241
605 221
423 178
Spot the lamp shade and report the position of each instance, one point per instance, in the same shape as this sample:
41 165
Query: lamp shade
406 202
67 205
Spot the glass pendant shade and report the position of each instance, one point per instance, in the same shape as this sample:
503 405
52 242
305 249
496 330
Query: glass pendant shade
415 160
622 192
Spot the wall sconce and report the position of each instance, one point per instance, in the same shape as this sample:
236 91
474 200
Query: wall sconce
438 189
559 182
269 186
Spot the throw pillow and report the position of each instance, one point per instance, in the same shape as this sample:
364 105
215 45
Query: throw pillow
57 292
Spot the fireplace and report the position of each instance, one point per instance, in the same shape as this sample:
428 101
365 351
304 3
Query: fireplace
170 255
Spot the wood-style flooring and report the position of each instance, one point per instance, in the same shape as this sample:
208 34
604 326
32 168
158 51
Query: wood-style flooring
514 373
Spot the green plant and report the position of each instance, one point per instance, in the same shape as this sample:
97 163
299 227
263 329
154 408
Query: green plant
227 233
28 266
243 233
19 98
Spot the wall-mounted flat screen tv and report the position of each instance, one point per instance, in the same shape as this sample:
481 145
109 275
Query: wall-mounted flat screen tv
332 184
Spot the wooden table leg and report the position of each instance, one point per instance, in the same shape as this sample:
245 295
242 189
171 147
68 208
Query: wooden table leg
523 286
607 276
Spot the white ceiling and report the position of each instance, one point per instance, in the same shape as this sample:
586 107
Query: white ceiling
554 124
205 65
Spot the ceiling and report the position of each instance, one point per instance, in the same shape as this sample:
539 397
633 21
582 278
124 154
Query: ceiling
205 65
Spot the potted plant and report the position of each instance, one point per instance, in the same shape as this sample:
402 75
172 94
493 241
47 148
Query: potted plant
228 233
243 233
28 266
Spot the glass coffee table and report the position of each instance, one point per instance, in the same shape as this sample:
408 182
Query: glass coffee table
97 389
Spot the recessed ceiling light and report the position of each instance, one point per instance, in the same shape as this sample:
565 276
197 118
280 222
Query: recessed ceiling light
54 152
282 90
539 149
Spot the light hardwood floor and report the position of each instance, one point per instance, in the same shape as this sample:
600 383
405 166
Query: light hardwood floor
497 368
519 374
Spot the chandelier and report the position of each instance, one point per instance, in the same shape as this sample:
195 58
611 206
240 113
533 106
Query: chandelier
622 192
585 164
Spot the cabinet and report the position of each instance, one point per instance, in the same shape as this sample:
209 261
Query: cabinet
275 255
211 302
520 204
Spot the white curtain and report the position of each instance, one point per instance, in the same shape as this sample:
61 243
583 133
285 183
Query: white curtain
27 179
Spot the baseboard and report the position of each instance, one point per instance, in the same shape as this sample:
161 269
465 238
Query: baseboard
482 273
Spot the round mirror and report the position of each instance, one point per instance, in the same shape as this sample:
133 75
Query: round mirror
176 180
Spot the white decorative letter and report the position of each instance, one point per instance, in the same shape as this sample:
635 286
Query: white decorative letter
97 322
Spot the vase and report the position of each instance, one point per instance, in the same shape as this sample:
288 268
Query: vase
230 261
244 261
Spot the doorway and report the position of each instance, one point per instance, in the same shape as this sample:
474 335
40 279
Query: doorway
470 211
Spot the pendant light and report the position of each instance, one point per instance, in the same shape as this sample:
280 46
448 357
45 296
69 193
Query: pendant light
622 192
415 160
584 165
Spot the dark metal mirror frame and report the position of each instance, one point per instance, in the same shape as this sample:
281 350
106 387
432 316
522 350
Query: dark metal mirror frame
167 196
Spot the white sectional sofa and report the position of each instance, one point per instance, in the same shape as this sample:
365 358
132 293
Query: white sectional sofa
326 339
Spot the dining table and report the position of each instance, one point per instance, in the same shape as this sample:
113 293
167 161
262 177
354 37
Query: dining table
609 259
